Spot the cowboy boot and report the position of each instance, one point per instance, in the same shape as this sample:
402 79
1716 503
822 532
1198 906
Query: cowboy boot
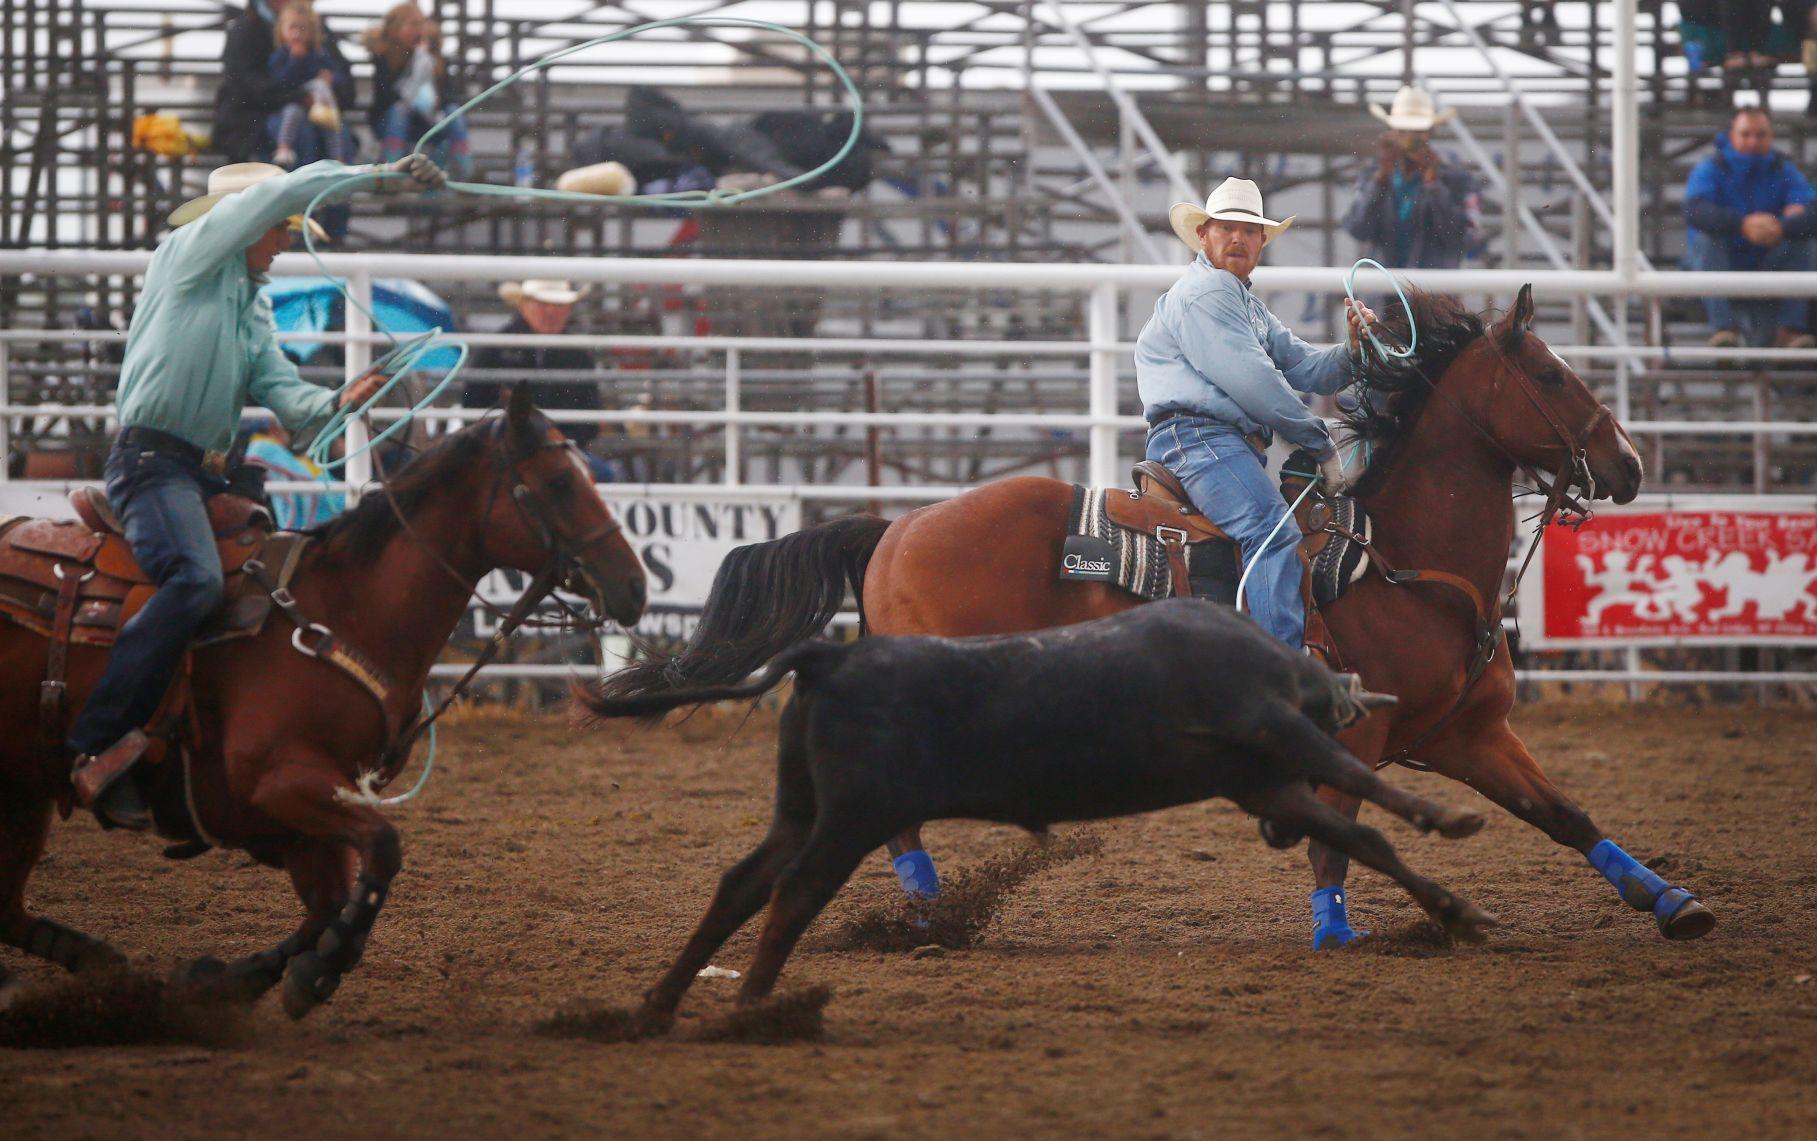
104 786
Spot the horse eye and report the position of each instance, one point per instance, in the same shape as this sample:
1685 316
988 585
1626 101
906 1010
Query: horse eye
1552 377
562 484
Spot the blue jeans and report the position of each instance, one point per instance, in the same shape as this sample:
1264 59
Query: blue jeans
160 499
1228 481
311 145
1757 318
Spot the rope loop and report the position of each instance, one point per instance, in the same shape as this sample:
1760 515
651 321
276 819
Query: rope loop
1413 331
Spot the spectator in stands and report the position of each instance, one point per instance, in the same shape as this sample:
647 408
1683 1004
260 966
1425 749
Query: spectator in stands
1748 208
1745 26
300 61
249 98
543 308
266 446
409 89
1414 209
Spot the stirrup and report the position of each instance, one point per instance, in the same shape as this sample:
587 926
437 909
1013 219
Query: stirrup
100 784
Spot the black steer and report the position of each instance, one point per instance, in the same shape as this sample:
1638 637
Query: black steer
1163 705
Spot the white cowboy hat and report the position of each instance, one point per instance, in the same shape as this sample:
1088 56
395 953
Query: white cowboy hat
536 289
1413 110
1237 200
231 179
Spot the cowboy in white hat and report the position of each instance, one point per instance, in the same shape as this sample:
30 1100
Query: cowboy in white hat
1219 376
201 347
1413 209
561 377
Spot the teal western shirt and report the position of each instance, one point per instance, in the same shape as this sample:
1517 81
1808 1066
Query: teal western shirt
203 343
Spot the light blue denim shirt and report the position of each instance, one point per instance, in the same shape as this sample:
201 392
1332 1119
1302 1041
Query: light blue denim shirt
1213 349
202 341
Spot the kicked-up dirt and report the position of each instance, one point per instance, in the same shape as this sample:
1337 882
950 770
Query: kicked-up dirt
1162 986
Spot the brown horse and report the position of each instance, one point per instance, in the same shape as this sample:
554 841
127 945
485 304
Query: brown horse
1445 430
284 741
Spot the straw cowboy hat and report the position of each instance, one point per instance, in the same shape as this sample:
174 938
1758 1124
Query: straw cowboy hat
231 179
1237 200
613 178
1412 111
549 292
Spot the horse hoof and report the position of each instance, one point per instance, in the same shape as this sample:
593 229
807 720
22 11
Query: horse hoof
1332 938
207 970
1470 924
1278 835
309 983
1689 920
98 956
1457 823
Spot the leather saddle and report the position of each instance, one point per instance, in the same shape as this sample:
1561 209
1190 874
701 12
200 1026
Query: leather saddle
76 582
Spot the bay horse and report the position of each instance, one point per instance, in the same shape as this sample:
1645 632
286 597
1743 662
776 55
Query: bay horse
1444 431
286 744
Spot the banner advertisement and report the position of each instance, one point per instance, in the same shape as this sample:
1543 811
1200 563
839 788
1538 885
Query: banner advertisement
681 542
1670 577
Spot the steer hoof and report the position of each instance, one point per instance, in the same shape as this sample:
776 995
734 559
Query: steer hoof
1456 823
1683 918
1278 835
1468 923
309 983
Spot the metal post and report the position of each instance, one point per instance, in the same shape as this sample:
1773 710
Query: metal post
6 421
359 361
1101 328
734 461
1624 141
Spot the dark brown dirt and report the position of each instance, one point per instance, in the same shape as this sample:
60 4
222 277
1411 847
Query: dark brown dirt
1161 988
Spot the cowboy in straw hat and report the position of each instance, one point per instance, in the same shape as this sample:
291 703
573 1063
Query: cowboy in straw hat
1219 375
1413 208
560 376
202 345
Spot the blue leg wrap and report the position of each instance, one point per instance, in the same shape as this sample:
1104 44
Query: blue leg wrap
916 871
1640 887
1330 925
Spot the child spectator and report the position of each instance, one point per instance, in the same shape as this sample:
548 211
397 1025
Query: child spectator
298 60
409 90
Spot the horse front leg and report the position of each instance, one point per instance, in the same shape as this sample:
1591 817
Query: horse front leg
323 876
1497 764
313 798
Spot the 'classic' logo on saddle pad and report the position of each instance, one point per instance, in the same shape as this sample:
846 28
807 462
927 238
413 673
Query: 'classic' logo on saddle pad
1087 558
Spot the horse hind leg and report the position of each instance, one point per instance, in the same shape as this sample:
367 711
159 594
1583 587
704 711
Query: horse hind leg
1295 804
24 827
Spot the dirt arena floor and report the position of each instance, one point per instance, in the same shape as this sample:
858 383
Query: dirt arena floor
1162 988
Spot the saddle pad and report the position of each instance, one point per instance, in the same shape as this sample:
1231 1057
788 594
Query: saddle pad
1098 550
1341 561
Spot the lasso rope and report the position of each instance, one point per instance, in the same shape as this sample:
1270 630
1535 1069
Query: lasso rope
401 360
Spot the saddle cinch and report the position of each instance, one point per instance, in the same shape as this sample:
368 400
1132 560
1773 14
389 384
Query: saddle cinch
76 583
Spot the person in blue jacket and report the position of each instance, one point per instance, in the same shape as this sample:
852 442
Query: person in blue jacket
1219 376
1748 208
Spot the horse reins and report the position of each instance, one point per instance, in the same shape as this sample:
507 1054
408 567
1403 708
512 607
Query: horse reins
1489 633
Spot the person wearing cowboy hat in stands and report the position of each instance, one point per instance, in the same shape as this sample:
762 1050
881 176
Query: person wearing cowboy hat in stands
202 345
1219 376
1413 209
543 308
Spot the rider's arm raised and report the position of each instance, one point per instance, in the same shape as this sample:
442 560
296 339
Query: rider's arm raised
239 220
1220 342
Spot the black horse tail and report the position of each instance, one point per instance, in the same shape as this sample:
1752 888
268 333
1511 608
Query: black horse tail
765 598
809 661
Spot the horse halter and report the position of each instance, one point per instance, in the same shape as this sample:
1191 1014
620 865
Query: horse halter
1576 472
545 524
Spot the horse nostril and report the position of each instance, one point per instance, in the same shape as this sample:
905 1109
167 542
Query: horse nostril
638 590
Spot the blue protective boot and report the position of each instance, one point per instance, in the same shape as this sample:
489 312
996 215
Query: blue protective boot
1675 909
916 871
1330 925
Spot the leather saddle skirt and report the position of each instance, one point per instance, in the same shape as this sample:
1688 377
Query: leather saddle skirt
38 555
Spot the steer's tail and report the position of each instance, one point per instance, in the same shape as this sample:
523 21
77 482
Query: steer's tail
765 598
808 660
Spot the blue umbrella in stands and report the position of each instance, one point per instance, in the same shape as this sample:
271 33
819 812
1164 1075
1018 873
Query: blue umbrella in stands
314 305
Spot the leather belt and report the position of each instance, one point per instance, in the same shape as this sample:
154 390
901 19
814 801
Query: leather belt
152 440
1259 440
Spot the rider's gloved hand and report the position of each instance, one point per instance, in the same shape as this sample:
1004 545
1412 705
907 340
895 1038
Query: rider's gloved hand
1332 479
419 172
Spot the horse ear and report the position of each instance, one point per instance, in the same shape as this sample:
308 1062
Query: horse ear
519 405
1521 315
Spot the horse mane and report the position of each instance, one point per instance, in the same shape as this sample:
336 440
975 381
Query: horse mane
359 534
1392 392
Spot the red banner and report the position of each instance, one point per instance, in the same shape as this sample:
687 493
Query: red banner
1633 577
